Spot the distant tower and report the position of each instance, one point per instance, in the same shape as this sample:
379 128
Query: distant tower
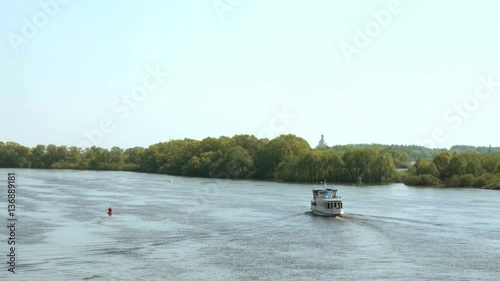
322 143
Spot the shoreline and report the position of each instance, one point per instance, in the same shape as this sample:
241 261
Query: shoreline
259 180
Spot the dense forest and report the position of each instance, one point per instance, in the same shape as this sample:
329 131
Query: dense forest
285 158
456 170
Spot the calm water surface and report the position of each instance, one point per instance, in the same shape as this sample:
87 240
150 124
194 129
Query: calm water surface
207 229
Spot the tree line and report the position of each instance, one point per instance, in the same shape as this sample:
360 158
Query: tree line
467 169
284 158
416 152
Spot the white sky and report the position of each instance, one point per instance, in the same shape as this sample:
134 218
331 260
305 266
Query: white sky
240 71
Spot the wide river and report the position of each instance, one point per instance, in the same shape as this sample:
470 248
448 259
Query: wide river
176 228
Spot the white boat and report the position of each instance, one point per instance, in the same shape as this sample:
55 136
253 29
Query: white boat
325 202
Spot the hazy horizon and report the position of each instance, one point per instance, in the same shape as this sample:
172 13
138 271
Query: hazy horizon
134 74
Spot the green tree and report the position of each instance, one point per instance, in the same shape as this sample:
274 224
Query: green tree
457 166
193 167
14 155
238 163
37 155
401 159
426 167
384 167
489 163
358 163
149 159
442 160
74 158
133 158
474 166
279 157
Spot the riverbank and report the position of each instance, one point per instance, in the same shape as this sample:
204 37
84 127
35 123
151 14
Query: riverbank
286 158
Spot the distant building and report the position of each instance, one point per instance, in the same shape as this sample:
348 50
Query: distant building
322 143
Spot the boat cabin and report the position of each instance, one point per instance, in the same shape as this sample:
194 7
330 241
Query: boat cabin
325 193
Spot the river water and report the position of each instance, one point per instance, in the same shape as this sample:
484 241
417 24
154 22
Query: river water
175 228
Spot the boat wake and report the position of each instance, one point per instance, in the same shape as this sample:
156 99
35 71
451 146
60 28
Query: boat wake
396 220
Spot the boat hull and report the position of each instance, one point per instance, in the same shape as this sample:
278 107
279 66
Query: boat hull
328 213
